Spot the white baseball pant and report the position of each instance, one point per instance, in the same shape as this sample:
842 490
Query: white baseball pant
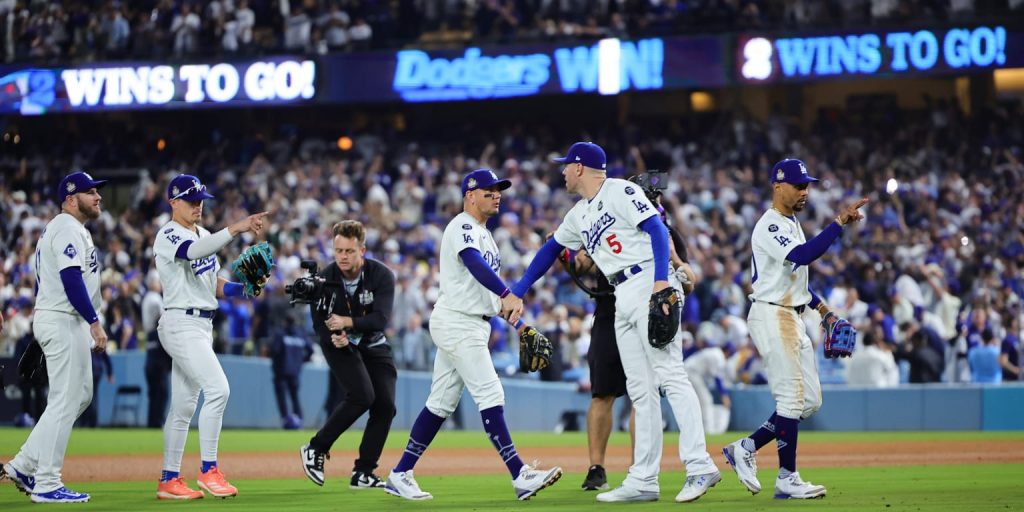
66 341
189 342
781 337
462 361
650 372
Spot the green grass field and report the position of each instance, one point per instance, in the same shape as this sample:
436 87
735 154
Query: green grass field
916 488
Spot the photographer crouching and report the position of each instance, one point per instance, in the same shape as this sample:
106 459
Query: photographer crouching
351 302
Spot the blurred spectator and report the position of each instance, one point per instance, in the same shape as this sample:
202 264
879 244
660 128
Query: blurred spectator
185 29
873 366
289 351
414 344
101 366
984 360
925 364
1010 352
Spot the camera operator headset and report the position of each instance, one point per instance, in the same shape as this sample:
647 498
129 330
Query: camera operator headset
351 302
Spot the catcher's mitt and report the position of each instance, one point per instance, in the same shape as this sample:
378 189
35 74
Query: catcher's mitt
252 268
32 365
840 336
663 317
534 350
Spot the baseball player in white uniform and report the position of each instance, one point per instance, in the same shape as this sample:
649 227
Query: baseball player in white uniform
622 231
706 367
66 326
781 255
186 260
471 293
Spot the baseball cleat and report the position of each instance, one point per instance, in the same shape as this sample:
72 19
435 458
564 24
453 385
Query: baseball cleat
403 485
177 489
793 488
697 486
744 463
23 482
597 479
62 495
530 481
623 494
213 482
313 463
362 481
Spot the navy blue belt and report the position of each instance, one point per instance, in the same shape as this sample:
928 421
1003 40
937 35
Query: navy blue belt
201 313
626 273
799 309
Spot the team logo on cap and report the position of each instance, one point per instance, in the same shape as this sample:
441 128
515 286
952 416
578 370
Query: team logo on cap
70 187
471 183
802 168
781 175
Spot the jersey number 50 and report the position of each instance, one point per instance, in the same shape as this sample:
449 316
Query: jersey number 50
615 245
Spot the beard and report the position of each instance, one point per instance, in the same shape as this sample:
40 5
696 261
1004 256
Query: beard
87 211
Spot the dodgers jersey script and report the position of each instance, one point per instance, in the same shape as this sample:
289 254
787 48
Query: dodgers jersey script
606 226
460 291
774 277
187 284
65 243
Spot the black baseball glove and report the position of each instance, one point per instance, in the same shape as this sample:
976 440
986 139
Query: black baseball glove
32 365
534 350
663 317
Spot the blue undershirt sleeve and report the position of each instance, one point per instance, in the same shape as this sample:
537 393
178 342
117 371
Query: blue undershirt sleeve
815 300
482 272
78 296
233 289
542 261
659 243
812 249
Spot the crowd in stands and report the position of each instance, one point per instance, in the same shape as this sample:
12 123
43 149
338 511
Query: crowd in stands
48 31
932 279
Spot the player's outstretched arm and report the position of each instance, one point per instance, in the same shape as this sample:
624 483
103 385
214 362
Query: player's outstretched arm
807 252
542 261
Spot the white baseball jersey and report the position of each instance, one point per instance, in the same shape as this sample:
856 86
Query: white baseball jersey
776 279
460 291
186 284
65 243
606 225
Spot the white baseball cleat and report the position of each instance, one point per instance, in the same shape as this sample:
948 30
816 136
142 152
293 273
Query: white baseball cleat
744 463
403 485
531 480
627 494
792 487
697 486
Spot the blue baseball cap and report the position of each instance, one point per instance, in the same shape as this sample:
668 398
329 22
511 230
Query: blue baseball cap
187 187
483 178
791 171
77 182
586 153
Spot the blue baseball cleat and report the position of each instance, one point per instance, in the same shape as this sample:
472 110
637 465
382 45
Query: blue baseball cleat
62 495
23 482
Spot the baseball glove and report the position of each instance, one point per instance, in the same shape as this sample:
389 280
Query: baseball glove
840 336
663 317
534 350
252 268
32 365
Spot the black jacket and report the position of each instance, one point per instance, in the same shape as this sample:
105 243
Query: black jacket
370 305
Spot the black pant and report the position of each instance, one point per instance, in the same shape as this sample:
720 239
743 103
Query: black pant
158 383
368 376
285 387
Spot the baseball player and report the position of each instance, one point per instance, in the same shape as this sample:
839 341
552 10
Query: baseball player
781 254
66 326
623 233
471 293
186 260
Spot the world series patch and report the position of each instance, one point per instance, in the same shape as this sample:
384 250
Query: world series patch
773 228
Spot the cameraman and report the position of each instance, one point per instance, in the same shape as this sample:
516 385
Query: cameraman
351 336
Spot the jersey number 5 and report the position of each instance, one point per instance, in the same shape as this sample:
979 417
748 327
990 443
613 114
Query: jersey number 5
615 245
